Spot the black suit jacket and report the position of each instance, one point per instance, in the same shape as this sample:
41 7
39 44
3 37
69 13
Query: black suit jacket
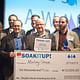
7 46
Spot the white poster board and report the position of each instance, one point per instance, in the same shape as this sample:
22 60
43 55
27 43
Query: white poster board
42 44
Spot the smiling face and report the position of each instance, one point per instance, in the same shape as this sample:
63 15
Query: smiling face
56 22
40 26
17 26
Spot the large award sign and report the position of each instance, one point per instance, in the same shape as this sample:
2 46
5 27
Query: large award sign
29 65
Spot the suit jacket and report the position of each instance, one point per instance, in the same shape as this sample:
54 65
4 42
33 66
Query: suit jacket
72 38
1 58
31 40
77 30
1 36
8 46
29 32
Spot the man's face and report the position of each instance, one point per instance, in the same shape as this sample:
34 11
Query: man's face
63 23
40 26
11 19
56 23
33 23
17 26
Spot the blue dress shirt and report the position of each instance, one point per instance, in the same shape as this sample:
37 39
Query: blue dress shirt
18 43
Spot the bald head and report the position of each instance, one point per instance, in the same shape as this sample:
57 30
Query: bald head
40 21
40 26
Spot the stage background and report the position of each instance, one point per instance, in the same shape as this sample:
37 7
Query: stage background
46 9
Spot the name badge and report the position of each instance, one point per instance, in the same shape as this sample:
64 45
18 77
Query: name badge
70 38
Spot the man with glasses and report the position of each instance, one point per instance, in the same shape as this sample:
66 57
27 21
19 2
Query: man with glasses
41 33
14 41
66 40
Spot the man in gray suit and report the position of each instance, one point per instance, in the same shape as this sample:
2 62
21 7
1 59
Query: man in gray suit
66 40
14 41
41 33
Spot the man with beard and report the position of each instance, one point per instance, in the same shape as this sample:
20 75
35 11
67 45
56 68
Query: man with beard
41 33
66 40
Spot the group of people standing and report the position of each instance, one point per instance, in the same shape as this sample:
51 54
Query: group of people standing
15 38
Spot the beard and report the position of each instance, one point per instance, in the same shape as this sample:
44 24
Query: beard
62 28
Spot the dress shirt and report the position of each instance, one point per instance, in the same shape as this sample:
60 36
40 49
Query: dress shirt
18 43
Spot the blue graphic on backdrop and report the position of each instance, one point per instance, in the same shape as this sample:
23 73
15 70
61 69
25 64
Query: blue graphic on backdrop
71 24
51 0
46 18
70 2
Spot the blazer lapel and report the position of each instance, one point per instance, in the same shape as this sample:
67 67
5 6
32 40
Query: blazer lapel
57 39
23 43
12 41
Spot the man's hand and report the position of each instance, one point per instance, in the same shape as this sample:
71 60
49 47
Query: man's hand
12 54
68 49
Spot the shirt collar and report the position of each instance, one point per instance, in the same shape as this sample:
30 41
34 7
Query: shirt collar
16 36
41 36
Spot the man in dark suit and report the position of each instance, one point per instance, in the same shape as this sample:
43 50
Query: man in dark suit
1 58
33 24
14 41
77 30
11 19
41 33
